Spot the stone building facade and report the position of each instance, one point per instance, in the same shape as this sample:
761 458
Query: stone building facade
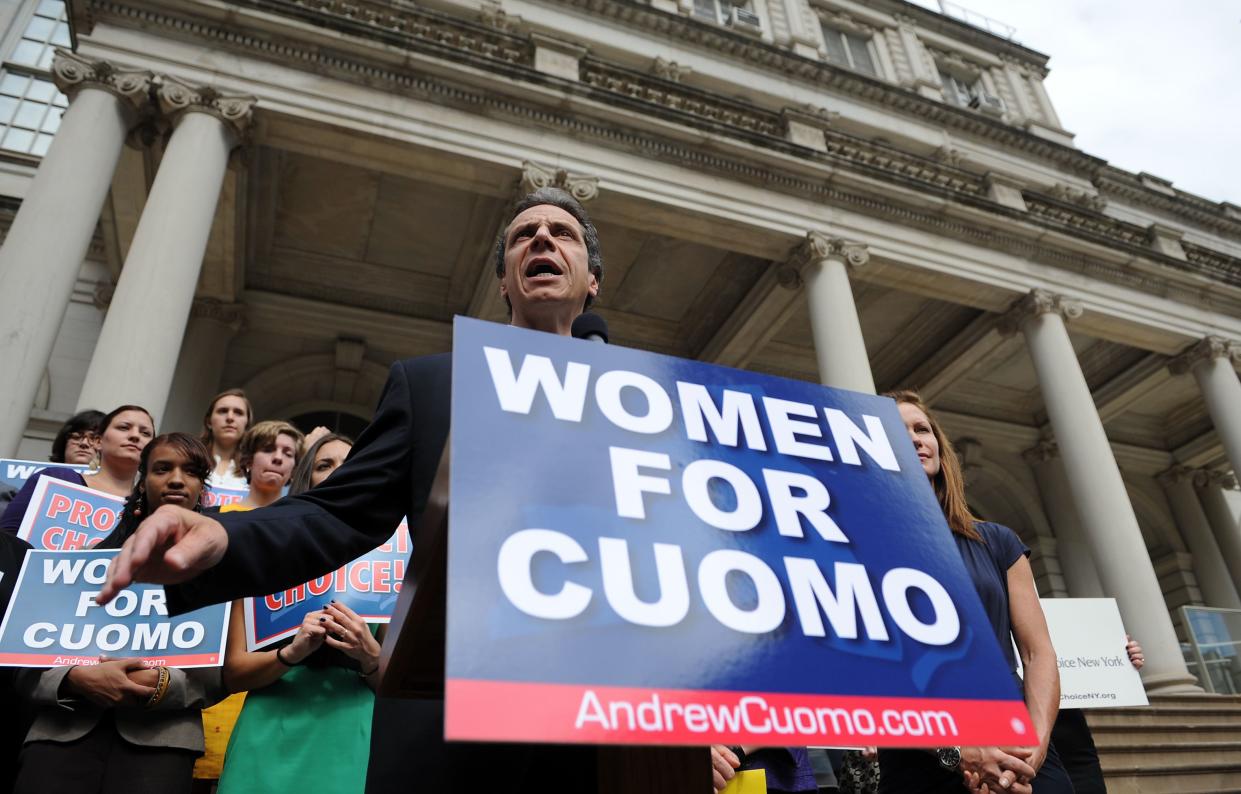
287 195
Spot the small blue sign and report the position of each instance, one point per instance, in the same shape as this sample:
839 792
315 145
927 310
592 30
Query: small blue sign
645 549
64 515
14 473
53 619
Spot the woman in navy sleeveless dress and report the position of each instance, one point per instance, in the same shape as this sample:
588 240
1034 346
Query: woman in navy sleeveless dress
996 560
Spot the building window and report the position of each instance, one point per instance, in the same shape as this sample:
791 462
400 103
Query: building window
30 104
738 14
849 50
970 94
958 91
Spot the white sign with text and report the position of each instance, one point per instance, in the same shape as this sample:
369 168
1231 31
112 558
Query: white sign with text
1089 639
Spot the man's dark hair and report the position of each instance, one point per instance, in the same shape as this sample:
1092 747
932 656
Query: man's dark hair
81 422
556 197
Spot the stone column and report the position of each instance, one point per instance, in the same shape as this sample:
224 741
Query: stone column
824 264
1081 577
200 364
1214 579
50 236
1211 361
1097 489
136 355
1223 523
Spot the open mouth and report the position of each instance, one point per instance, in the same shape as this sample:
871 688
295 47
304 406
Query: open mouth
543 267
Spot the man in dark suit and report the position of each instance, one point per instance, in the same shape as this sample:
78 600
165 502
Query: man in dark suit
549 268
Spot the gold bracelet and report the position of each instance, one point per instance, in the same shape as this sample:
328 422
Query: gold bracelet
161 688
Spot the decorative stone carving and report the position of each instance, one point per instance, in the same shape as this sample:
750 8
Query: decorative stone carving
670 70
104 290
819 247
1041 452
1034 303
176 98
493 15
72 72
535 175
789 277
1177 474
232 315
1206 349
1081 198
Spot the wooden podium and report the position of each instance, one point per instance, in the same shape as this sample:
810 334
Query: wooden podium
412 663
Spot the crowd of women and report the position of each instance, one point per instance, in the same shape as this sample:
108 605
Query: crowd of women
254 725
297 717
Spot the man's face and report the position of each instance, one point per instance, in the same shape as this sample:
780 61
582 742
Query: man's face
545 262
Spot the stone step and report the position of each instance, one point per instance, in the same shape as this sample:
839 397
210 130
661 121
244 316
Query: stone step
1215 779
1135 757
1229 714
1109 736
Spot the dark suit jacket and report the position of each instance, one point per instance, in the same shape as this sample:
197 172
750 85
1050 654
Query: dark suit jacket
386 477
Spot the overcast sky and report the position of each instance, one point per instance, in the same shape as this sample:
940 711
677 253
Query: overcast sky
1147 86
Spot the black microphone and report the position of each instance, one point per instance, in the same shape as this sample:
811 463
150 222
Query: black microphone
590 326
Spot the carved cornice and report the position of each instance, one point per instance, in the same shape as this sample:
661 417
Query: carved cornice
72 72
1115 183
1070 195
1041 452
484 48
1208 349
680 98
818 247
671 71
1036 303
536 175
176 98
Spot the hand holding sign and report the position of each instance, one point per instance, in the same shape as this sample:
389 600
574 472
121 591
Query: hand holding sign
173 545
348 633
308 638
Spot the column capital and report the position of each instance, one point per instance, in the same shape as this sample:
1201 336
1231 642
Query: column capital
176 98
1178 474
819 247
536 175
1219 479
1041 452
1206 349
1036 303
72 72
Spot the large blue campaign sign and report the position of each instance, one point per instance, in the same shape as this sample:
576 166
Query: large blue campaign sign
65 515
645 549
53 619
369 586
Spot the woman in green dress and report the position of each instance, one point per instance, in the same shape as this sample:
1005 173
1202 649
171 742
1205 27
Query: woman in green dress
310 696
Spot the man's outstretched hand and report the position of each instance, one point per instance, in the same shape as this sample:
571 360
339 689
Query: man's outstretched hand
172 545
